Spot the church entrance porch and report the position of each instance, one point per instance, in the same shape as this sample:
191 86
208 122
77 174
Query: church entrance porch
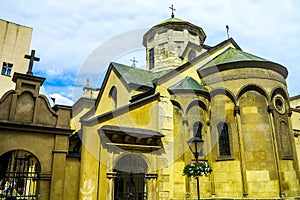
130 180
130 186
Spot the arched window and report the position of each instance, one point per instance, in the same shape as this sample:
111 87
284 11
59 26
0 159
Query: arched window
197 129
224 143
114 95
151 58
19 173
285 140
192 55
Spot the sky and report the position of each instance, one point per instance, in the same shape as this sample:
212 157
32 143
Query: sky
76 39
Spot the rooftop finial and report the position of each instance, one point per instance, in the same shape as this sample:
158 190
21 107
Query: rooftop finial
133 62
31 60
87 82
227 27
173 9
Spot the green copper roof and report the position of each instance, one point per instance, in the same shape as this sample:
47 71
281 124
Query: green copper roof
231 55
170 20
136 76
188 83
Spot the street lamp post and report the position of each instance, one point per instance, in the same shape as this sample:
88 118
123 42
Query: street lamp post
196 144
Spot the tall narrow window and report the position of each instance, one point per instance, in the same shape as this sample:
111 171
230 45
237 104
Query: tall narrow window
114 95
197 128
6 69
285 140
224 143
151 58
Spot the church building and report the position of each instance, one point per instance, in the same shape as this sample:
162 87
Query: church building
128 138
134 139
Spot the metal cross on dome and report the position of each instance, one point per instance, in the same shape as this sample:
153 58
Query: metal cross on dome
133 62
173 9
31 60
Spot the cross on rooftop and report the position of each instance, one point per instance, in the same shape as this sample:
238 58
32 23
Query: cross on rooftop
133 62
173 9
31 60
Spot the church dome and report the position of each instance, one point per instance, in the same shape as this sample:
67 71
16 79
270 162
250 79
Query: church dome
176 24
166 41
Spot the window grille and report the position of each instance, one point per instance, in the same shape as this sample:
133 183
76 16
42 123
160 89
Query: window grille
19 173
224 143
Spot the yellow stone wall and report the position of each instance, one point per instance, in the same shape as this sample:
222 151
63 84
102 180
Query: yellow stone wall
72 178
123 94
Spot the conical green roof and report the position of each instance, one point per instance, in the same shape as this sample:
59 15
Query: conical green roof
188 83
231 55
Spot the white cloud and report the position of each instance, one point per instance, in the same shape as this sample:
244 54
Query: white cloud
61 100
54 72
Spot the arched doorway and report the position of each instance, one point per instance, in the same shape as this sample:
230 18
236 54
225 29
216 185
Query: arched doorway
130 182
19 173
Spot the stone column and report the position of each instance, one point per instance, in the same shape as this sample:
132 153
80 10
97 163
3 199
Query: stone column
110 182
210 159
89 169
185 154
274 142
241 149
151 186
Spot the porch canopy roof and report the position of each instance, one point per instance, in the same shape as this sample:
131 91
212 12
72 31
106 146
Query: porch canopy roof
130 138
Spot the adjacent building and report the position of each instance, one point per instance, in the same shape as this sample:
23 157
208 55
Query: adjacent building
14 45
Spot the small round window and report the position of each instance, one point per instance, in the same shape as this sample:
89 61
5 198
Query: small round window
279 104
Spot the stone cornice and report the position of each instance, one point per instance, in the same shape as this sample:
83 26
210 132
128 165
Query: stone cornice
119 111
34 128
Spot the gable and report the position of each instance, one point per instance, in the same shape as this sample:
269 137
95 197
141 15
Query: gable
128 81
188 84
104 102
190 48
22 109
